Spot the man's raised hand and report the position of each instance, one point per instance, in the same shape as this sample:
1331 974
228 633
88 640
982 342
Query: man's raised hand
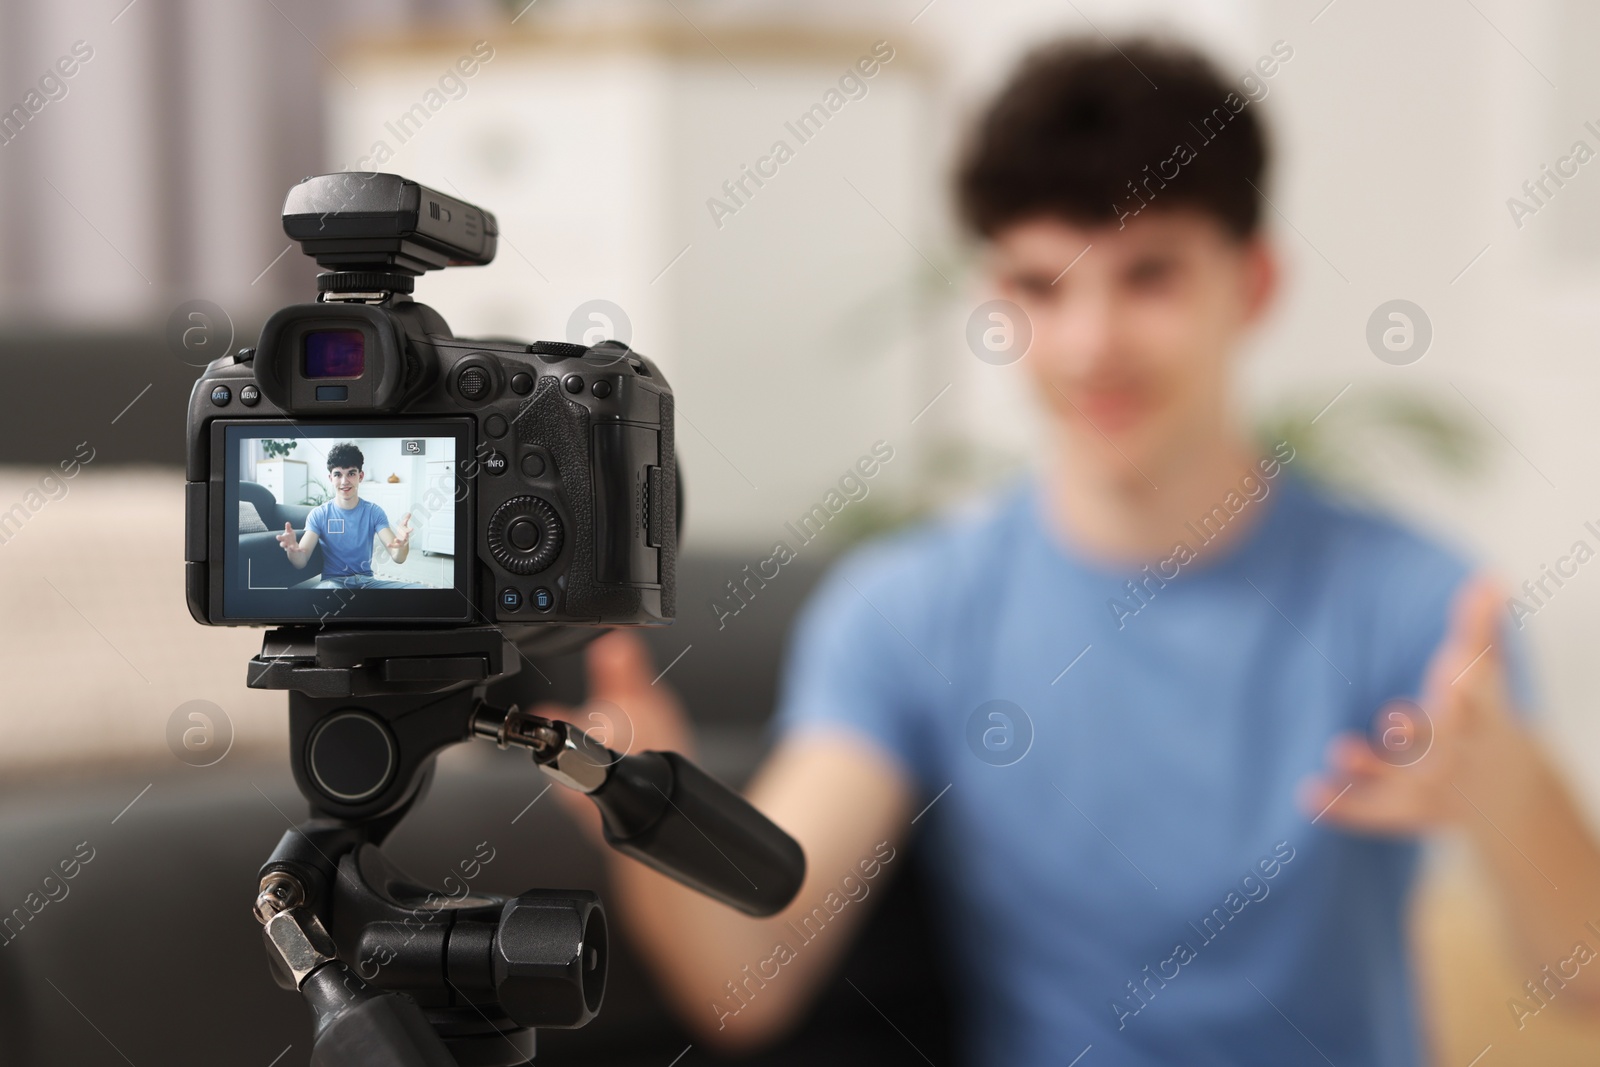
1429 759
629 708
287 539
402 534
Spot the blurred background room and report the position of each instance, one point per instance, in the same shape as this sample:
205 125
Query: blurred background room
801 318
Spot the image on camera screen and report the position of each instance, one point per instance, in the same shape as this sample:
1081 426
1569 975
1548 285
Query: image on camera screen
345 522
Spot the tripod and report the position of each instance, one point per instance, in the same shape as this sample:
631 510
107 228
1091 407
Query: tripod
399 975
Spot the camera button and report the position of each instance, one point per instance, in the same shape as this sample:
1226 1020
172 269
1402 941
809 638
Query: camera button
495 463
220 395
494 425
249 396
572 383
601 389
523 534
474 383
510 599
533 465
522 383
542 599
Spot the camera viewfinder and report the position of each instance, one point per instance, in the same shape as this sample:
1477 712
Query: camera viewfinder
335 354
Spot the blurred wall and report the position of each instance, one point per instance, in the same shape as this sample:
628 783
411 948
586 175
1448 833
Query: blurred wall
154 172
625 164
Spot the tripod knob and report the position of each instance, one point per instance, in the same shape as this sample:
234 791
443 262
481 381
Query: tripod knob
549 958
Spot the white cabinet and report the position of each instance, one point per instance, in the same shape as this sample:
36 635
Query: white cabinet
436 531
608 149
285 479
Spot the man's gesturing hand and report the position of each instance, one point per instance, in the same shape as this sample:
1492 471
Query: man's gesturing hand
287 539
628 710
402 534
1427 761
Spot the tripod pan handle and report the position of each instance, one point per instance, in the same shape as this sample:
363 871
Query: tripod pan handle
670 815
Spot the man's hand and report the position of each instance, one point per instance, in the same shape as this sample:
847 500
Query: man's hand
1487 774
1461 743
288 540
397 543
627 710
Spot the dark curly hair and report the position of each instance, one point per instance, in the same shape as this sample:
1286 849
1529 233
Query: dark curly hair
345 454
1083 127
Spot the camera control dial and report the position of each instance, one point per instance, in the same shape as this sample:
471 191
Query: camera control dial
525 535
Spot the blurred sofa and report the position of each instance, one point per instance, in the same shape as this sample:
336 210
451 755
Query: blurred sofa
261 518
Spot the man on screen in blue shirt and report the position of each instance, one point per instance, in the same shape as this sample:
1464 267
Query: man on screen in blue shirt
1170 719
345 528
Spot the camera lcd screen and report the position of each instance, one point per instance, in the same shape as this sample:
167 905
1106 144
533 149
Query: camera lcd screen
345 522
335 354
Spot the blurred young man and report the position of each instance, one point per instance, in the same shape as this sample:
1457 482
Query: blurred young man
1183 848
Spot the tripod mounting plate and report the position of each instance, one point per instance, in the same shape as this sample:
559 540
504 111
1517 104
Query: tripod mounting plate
350 663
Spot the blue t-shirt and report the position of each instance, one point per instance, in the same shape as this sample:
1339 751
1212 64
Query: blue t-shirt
346 536
1141 879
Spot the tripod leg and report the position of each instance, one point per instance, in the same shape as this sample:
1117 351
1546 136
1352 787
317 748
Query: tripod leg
356 1026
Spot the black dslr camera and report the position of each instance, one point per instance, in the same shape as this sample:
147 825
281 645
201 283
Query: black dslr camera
361 464
395 501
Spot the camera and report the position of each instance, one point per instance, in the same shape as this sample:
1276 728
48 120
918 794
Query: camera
363 465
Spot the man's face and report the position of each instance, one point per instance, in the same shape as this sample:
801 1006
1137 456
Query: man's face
1132 348
346 481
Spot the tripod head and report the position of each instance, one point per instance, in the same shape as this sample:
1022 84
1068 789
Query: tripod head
393 971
